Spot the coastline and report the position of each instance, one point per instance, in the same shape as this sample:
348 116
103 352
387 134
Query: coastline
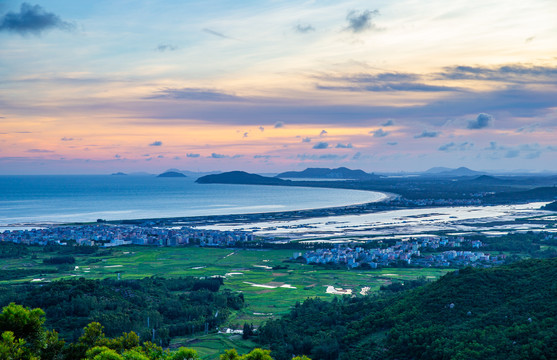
174 200
246 218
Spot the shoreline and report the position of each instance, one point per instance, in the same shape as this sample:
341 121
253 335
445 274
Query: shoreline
244 218
155 215
356 209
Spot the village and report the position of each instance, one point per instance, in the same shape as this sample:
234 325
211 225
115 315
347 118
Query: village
407 252
430 251
115 235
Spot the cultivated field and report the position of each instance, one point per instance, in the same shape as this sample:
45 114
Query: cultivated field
268 292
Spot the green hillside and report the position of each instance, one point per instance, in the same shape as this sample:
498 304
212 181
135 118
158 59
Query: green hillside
507 312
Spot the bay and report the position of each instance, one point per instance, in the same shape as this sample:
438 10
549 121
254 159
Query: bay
84 198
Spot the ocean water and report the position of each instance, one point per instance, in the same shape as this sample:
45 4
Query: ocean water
61 199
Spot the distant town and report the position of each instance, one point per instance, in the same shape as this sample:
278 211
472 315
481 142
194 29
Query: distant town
458 251
116 235
408 252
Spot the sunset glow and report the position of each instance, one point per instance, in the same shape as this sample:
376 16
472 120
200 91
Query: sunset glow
106 86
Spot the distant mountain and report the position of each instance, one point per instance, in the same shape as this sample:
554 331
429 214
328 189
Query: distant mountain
487 179
240 177
461 171
437 170
173 174
193 174
119 173
326 173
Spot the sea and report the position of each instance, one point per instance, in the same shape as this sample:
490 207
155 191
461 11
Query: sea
83 198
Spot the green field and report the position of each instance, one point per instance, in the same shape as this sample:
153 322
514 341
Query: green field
210 346
268 293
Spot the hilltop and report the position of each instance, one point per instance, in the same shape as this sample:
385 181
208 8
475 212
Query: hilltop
171 174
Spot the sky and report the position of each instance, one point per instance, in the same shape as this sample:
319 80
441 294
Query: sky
94 87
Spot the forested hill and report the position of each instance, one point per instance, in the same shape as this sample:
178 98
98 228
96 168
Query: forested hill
240 177
172 307
506 313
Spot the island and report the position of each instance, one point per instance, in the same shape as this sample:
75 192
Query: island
172 174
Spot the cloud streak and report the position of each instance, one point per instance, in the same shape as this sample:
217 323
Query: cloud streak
513 72
456 147
166 47
218 34
344 146
388 81
195 94
427 134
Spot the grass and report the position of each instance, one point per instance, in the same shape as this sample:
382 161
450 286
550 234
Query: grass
241 268
210 346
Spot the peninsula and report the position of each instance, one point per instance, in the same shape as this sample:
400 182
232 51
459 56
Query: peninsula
240 177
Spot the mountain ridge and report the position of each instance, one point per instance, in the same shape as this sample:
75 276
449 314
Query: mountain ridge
327 173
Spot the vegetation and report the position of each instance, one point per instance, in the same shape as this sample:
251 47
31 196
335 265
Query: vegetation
244 270
508 312
156 309
23 337
240 177
350 327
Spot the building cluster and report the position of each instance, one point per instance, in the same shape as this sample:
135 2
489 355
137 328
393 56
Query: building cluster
409 252
114 235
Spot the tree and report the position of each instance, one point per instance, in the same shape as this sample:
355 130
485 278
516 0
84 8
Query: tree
154 351
53 347
134 355
303 357
102 353
93 335
25 324
258 354
248 331
230 354
185 354
12 348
